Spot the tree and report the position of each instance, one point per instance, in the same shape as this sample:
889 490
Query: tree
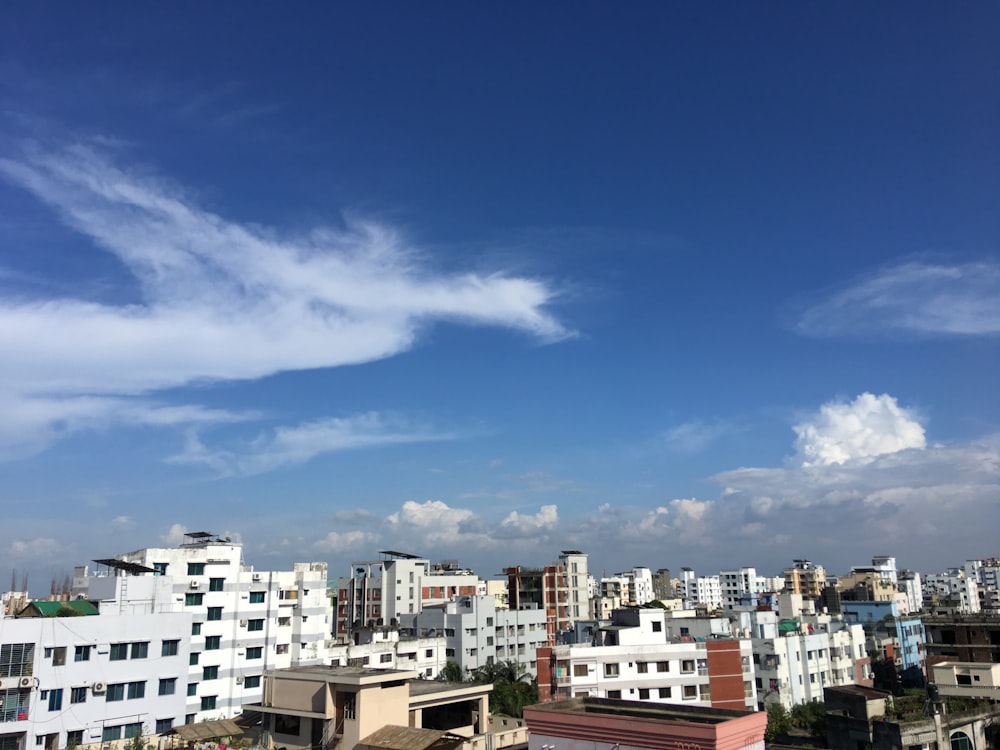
811 717
513 688
778 721
136 743
452 672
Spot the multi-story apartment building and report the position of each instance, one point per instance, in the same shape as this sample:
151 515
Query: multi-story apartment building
736 585
477 633
896 638
911 585
242 621
663 585
561 589
963 638
704 591
795 658
91 680
389 649
633 587
805 578
634 658
379 592
951 592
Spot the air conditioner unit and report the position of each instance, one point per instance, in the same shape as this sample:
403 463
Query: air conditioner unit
99 687
26 682
195 584
243 623
4 685
256 576
239 679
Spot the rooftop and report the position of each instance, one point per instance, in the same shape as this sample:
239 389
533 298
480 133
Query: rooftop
644 710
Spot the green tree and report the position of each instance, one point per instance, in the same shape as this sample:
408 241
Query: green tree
512 690
452 672
811 717
136 743
778 721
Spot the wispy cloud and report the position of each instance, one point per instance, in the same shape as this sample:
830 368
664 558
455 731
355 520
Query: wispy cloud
220 300
915 297
290 446
696 435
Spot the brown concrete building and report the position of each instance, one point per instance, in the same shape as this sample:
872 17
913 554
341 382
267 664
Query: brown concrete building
963 638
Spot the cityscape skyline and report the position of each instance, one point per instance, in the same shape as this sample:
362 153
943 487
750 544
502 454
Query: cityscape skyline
670 285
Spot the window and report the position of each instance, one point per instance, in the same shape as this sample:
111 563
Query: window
253 681
210 673
140 650
666 692
189 718
74 738
579 670
159 569
192 688
164 725
78 695
642 667
429 653
213 642
644 694
663 666
282 648
690 692
449 652
169 648
283 621
255 652
611 669
290 724
193 658
657 626
216 584
115 692
118 652
208 702
256 597
196 569
255 625
133 730
196 628
55 697
111 733
82 653
214 613
385 658
136 690
168 686
193 600
615 694
687 666
58 655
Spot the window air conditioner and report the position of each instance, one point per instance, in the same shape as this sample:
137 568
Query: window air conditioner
3 685
26 682
256 576
99 687
195 584
239 679
243 623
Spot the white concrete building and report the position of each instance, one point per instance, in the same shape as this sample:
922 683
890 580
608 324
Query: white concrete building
635 659
952 591
702 590
243 621
477 633
387 649
911 584
633 587
735 584
794 659
92 680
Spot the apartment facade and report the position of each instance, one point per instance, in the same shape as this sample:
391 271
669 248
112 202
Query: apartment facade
561 589
242 621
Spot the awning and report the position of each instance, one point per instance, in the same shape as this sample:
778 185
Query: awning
207 730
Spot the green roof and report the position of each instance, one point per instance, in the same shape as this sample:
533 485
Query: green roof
57 609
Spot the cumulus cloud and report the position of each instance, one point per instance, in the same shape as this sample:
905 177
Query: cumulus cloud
866 427
293 445
346 540
39 548
175 534
434 521
914 297
122 523
219 300
523 524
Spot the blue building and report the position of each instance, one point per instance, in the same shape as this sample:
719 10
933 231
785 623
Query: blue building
897 639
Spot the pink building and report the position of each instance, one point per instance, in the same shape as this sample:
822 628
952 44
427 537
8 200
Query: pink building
602 724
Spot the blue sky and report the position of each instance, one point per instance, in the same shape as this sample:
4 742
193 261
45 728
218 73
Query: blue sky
670 283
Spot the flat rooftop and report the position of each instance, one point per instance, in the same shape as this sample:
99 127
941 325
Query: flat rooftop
643 710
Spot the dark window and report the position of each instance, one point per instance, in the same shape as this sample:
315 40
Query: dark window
168 686
253 681
59 656
213 642
133 730
642 667
118 652
214 613
159 569
210 673
257 597
255 624
193 600
55 699
255 652
615 694
169 648
192 689
81 653
208 702
140 650
196 628
644 694
78 695
136 690
115 692
193 658
216 584
657 626
287 724
164 725
74 738
196 569
111 733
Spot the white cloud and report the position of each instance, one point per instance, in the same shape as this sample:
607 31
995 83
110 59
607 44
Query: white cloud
39 548
122 523
218 300
289 446
337 542
433 521
866 427
175 534
915 297
523 524
695 435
